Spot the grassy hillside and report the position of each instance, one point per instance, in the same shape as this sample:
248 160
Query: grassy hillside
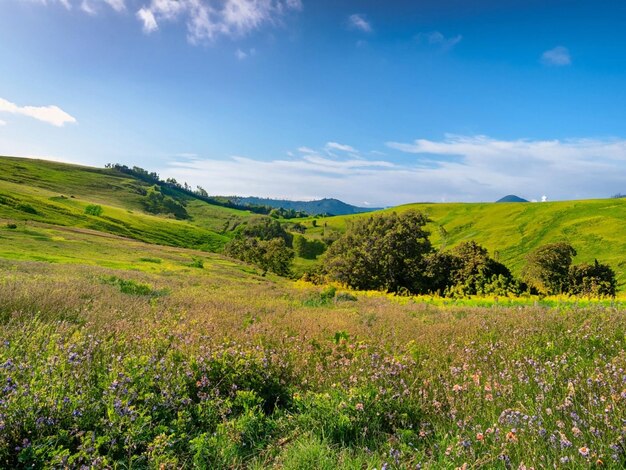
58 193
119 354
510 230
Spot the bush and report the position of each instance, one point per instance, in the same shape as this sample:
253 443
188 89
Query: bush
26 208
93 209
11 226
382 252
596 280
547 268
128 286
307 249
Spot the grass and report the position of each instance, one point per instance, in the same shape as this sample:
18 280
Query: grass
510 230
107 201
229 369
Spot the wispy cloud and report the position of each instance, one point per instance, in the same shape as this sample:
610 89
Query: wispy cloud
92 7
456 168
242 54
207 20
148 20
437 39
2 123
49 114
559 57
359 22
340 147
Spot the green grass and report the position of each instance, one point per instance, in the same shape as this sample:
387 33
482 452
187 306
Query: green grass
123 354
62 194
116 353
510 230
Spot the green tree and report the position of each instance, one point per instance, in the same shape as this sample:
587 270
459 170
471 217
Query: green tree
384 252
595 280
547 268
270 255
307 249
266 228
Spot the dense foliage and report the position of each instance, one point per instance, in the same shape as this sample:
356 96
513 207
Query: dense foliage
308 249
270 255
392 252
382 252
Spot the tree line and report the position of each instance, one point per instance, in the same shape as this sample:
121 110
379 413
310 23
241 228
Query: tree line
393 252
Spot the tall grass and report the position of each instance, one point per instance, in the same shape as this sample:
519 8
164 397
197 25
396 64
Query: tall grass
232 371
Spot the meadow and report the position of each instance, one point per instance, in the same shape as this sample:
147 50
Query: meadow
115 353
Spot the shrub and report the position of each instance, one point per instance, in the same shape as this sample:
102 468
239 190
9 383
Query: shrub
382 252
197 263
597 280
26 208
94 209
11 226
128 286
547 268
307 249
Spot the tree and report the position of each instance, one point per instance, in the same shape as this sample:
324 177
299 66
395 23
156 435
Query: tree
270 255
547 268
468 270
384 252
307 249
265 228
597 280
476 270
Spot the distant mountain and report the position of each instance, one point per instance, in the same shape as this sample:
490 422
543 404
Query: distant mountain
511 198
323 206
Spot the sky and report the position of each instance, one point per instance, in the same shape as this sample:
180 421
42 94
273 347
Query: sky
375 103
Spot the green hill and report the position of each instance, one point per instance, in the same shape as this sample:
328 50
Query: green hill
322 206
58 194
510 230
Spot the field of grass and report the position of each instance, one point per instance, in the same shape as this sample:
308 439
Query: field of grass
119 354
510 230
58 193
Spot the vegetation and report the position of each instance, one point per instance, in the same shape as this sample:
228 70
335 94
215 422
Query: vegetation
382 252
307 249
594 228
228 369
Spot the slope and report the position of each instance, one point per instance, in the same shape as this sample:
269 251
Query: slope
58 193
510 230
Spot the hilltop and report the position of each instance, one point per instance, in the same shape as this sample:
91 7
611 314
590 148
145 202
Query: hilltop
511 198
326 206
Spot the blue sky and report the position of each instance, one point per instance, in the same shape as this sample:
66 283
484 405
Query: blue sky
372 102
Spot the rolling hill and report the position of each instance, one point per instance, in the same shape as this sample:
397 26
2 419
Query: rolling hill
510 230
58 194
326 206
44 192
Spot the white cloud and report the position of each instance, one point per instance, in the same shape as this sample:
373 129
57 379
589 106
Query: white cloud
208 19
49 114
359 22
92 7
117 5
559 57
205 20
435 38
242 55
2 123
340 147
457 168
149 21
